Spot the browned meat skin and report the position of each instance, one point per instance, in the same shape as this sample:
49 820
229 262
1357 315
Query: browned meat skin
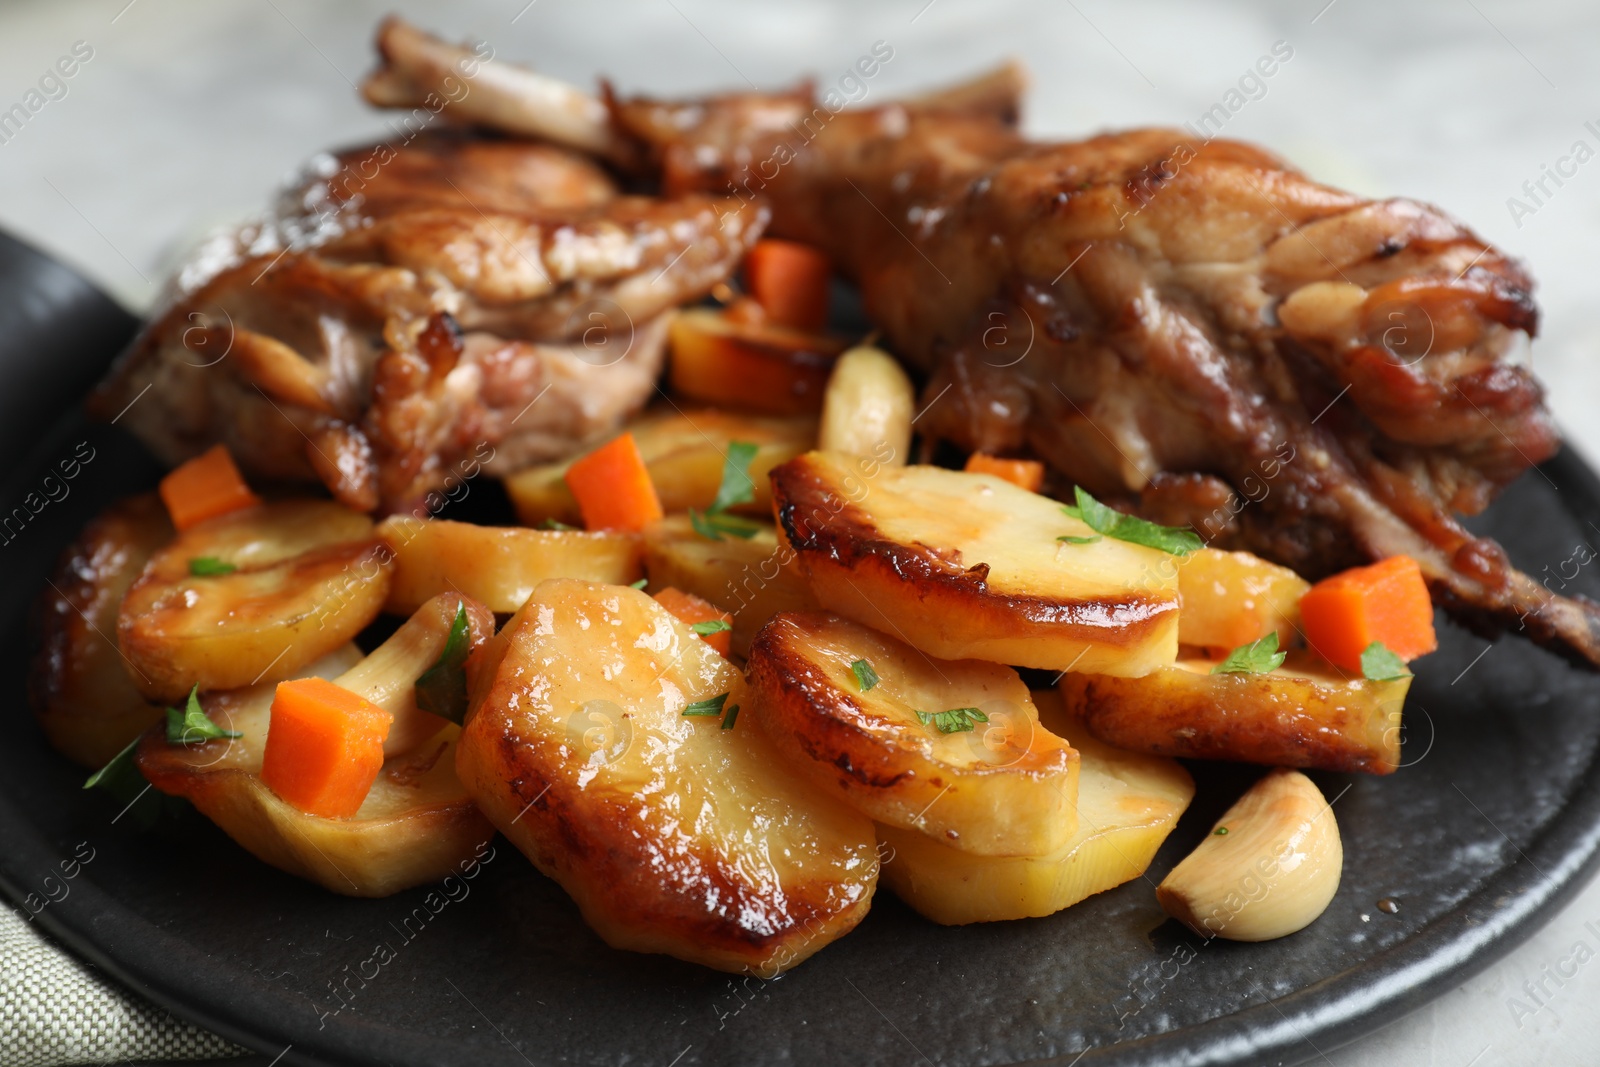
1345 365
413 314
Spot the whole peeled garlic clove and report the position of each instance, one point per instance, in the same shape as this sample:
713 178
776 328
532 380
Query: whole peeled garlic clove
1269 866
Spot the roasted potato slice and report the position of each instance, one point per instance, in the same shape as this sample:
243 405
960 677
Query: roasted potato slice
1307 713
1004 786
496 565
79 684
968 566
1127 805
753 578
1234 598
684 452
308 576
717 358
416 825
675 833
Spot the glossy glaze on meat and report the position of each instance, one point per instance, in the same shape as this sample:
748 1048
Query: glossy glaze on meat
410 316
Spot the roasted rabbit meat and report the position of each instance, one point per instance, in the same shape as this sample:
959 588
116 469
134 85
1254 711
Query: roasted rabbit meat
1188 324
416 311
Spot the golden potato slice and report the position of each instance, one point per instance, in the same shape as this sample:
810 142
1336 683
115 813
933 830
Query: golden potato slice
1001 787
79 684
1306 713
674 833
718 357
1127 805
1234 598
309 575
496 565
752 578
968 566
684 452
417 824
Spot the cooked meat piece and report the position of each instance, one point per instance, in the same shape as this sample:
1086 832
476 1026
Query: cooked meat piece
455 304
1148 302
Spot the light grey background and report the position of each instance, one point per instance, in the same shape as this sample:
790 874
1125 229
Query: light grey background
188 114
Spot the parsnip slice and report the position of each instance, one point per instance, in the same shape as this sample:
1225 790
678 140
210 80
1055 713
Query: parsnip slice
498 566
753 578
1306 713
80 686
684 452
968 566
1234 598
1005 787
672 833
1127 805
310 574
417 824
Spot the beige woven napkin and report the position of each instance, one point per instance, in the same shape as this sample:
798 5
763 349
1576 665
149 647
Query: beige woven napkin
56 1011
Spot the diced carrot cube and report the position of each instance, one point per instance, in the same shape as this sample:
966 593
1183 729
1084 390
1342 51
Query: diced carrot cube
203 488
613 488
324 747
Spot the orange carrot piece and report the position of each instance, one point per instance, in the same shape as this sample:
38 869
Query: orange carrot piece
203 488
790 281
692 609
613 487
1387 601
324 747
1028 473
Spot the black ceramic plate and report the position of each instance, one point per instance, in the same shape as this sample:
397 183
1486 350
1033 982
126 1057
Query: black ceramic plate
1492 825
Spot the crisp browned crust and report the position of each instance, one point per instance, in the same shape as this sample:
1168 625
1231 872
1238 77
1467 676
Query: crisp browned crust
811 720
832 534
78 683
1239 717
636 895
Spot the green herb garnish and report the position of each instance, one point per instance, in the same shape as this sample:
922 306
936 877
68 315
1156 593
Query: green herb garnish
127 785
1258 657
866 677
711 626
712 525
1378 664
1176 540
732 717
209 567
442 688
555 524
192 726
640 584
1221 831
954 721
1069 539
709 706
736 488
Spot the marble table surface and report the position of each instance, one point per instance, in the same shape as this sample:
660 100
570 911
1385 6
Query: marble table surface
182 116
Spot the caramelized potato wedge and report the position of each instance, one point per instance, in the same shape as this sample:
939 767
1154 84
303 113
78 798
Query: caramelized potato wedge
417 824
968 566
79 685
497 566
674 833
753 578
1234 598
308 576
1127 805
684 452
718 358
1001 787
1306 713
